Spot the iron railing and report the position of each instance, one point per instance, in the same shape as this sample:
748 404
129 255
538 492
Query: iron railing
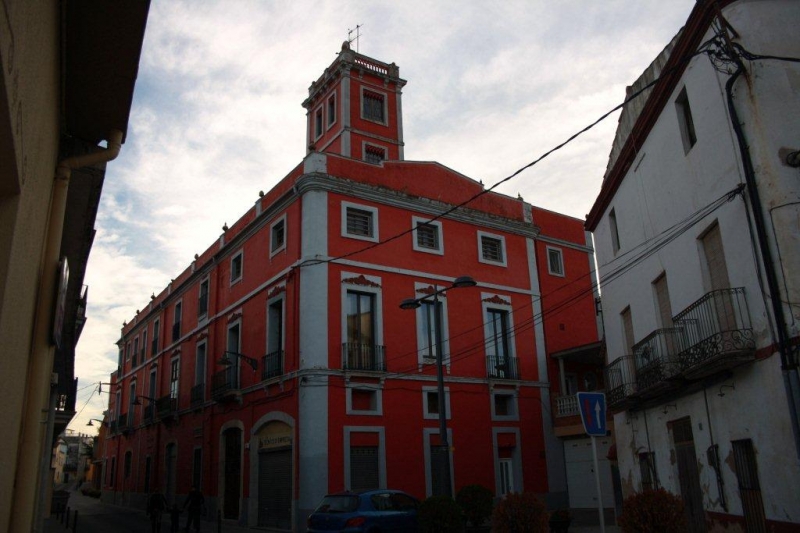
501 367
272 365
357 356
198 394
717 332
656 359
224 382
166 406
620 378
567 406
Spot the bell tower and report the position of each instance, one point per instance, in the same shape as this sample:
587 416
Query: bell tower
354 109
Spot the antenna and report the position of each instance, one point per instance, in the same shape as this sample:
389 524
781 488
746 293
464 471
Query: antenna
350 38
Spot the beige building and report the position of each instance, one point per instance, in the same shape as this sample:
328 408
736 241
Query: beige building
67 72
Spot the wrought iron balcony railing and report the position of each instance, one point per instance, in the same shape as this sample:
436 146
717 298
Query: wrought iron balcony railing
501 367
656 361
356 356
225 382
620 378
166 406
272 365
198 394
717 333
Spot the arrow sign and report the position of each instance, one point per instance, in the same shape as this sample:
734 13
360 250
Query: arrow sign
592 406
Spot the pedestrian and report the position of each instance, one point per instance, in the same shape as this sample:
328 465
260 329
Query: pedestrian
194 502
156 505
175 519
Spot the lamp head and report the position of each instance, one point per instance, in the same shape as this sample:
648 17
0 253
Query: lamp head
464 281
90 423
409 303
225 360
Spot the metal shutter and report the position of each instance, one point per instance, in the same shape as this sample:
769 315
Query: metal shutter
275 488
364 468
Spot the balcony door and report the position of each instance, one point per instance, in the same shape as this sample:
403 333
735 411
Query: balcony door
360 330
717 277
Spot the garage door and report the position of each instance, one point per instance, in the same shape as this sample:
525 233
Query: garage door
580 473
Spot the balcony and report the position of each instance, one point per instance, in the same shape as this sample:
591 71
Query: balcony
620 376
167 407
365 357
567 406
225 383
657 366
198 394
272 365
717 334
501 367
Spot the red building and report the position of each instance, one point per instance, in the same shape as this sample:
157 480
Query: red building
279 366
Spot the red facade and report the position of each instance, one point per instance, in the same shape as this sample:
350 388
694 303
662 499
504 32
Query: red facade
329 385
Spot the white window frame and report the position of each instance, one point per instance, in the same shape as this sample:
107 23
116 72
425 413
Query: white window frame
415 222
514 395
502 239
422 335
361 207
380 430
385 121
426 414
328 106
272 249
560 253
238 255
370 289
366 145
375 388
487 329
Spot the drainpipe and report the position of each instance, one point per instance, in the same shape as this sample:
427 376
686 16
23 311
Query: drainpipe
36 415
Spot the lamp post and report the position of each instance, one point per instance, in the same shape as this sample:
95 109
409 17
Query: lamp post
414 303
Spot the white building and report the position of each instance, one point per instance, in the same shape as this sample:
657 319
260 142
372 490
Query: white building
696 232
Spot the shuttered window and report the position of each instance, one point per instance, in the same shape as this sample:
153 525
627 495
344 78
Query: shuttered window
364 473
428 236
492 249
359 222
372 106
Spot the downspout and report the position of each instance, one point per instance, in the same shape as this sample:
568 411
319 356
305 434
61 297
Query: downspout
36 415
788 365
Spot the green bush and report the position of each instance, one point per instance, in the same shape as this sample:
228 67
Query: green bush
476 502
656 511
520 513
440 514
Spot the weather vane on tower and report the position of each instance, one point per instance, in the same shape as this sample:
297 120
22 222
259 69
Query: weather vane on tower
350 37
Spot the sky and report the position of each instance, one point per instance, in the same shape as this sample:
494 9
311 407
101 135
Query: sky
217 117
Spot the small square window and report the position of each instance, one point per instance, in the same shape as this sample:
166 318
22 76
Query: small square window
374 155
236 267
428 236
555 262
430 402
278 236
332 110
372 106
318 123
504 406
364 400
359 222
492 249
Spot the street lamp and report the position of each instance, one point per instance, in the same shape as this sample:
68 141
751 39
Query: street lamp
96 419
414 303
137 402
226 361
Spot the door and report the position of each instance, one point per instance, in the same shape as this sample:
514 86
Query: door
749 487
275 488
688 474
581 483
233 473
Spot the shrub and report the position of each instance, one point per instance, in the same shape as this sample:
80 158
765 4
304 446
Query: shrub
520 513
440 514
657 511
476 503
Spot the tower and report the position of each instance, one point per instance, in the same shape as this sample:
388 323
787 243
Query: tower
354 109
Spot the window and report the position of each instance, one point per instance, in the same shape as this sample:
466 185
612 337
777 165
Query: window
364 458
506 467
612 227
627 330
176 322
131 403
374 154
236 267
331 110
744 458
318 123
364 399
491 249
504 406
273 362
200 363
174 377
427 236
128 351
135 351
359 222
277 236
153 390
361 350
430 403
429 335
233 345
555 261
156 333
663 306
647 470
202 302
685 121
373 106
498 346
144 344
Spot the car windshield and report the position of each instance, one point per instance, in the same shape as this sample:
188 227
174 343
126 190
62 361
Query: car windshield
338 504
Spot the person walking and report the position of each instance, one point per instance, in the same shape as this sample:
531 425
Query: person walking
194 503
156 505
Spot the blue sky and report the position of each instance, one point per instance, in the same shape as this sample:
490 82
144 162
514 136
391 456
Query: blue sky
217 117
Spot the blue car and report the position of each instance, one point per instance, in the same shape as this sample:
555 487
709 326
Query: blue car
372 511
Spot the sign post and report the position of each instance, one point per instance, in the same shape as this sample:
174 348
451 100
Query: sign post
592 406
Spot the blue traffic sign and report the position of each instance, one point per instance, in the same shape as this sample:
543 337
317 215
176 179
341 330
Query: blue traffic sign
592 406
